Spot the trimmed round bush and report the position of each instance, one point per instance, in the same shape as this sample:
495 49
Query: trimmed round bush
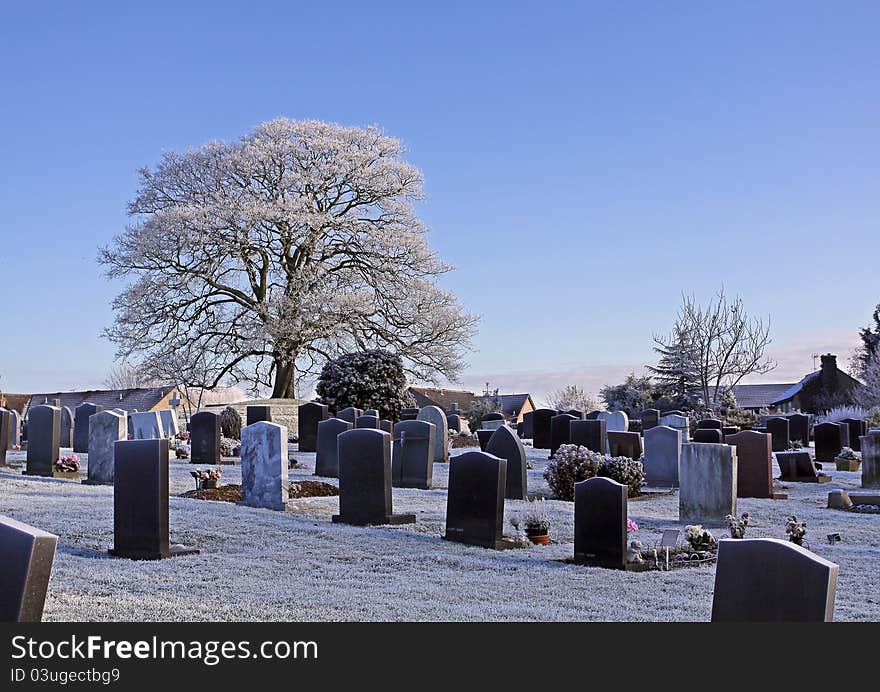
571 464
626 471
366 380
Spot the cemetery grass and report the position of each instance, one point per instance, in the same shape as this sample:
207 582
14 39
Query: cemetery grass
297 566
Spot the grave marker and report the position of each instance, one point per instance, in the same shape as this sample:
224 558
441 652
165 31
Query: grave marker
26 554
600 513
264 462
475 500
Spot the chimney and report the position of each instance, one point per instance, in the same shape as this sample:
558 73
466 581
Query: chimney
829 372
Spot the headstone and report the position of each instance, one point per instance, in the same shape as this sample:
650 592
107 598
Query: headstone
708 436
671 412
140 501
617 421
505 444
754 464
528 429
650 418
435 415
412 458
777 427
799 428
365 479
839 499
771 580
147 426
475 500
492 421
5 434
453 420
662 456
870 461
483 436
828 441
350 414
81 416
600 514
559 431
409 414
204 438
106 428
255 414
709 424
588 433
170 424
264 462
372 412
366 421
593 415
15 438
857 429
387 426
541 427
66 435
625 444
574 412
798 467
27 554
729 430
844 434
678 422
327 458
44 435
707 490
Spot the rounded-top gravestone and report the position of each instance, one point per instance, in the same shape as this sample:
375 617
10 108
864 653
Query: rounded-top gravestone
435 415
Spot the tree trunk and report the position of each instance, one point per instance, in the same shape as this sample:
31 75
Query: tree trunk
285 379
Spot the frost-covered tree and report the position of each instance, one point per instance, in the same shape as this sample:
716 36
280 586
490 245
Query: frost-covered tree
868 350
572 397
675 375
725 344
368 379
277 252
633 396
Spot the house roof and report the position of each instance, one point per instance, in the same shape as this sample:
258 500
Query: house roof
444 398
760 395
143 399
795 388
512 404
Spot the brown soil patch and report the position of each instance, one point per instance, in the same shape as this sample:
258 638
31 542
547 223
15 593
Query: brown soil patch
232 493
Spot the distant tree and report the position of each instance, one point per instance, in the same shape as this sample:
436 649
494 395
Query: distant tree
127 375
572 397
369 379
489 402
633 396
868 394
279 251
230 423
868 350
724 344
675 375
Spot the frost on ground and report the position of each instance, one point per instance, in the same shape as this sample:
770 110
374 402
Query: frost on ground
296 566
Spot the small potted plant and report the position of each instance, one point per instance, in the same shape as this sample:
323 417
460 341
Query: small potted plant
207 480
738 526
535 524
846 460
67 467
796 530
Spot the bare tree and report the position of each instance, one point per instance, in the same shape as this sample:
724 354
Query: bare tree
127 375
725 344
572 397
274 253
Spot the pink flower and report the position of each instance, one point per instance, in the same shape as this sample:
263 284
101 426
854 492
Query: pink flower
631 526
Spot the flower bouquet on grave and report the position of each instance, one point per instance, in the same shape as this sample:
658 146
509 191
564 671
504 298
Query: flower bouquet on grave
701 541
846 460
207 480
796 530
69 463
738 526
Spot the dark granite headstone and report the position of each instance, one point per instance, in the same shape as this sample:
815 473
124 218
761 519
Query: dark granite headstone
372 412
777 427
799 428
409 414
828 441
475 500
387 426
204 439
44 435
708 435
588 433
366 421
365 479
492 416
625 444
66 433
26 556
709 424
412 459
574 412
754 464
592 415
81 415
600 514
453 420
798 467
857 428
483 436
5 434
770 580
308 417
729 430
560 431
351 414
505 444
140 501
541 427
844 434
327 457
257 413
528 429
650 418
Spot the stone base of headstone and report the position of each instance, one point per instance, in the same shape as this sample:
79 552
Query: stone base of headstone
389 520
86 481
506 543
66 475
176 550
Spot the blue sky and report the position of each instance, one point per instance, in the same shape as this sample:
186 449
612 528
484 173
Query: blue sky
585 163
